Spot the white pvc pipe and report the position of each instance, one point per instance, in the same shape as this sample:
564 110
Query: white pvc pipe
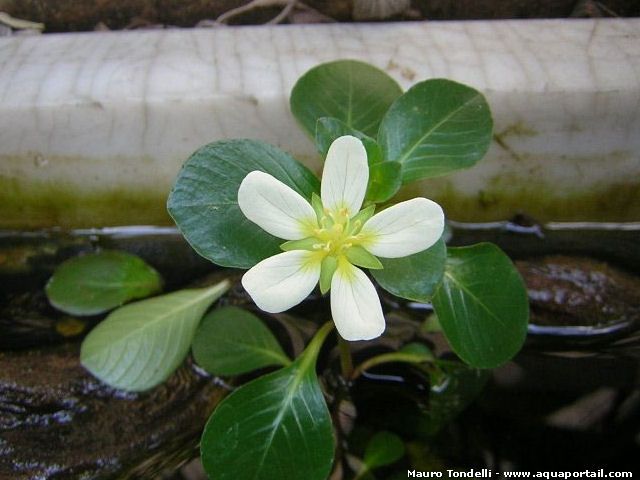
93 122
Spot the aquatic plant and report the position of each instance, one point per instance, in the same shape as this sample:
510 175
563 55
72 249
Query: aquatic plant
246 204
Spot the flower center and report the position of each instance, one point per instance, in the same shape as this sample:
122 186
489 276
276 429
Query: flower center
336 233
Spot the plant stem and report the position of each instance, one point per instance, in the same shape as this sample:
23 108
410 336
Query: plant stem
346 362
388 358
313 348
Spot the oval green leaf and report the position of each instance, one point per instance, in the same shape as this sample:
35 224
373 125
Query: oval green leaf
414 277
232 341
204 199
384 448
436 127
139 345
482 305
98 282
277 426
457 386
355 93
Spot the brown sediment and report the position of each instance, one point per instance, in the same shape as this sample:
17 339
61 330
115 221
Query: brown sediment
57 421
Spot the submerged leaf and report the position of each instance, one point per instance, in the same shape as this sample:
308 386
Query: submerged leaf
383 449
457 386
232 341
139 345
97 282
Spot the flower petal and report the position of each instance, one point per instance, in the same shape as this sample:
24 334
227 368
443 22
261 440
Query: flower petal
355 305
404 229
282 281
345 175
275 207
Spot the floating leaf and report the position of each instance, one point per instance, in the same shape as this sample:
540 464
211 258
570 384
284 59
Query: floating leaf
277 426
384 448
204 199
139 345
436 127
482 305
97 282
416 276
232 341
355 93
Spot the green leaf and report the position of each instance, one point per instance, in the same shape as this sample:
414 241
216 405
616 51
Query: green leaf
414 277
355 93
204 199
458 386
138 346
385 179
97 282
436 127
482 305
329 129
277 426
232 341
431 324
383 449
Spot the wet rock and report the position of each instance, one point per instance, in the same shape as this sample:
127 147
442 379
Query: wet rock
580 296
58 422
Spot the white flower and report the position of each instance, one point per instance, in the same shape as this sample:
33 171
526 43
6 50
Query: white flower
330 236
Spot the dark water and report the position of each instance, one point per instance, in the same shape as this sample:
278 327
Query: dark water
569 400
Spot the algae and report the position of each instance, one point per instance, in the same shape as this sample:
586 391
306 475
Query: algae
33 201
508 195
37 204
